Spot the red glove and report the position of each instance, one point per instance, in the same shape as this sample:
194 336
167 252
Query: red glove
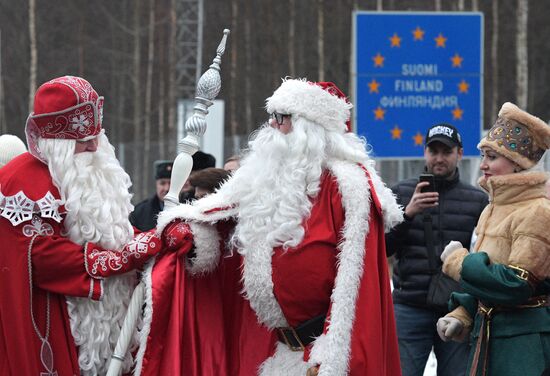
176 235
102 263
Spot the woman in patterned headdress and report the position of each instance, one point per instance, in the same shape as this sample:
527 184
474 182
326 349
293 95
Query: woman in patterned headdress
505 305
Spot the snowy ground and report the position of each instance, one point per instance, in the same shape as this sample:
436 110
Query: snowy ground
431 366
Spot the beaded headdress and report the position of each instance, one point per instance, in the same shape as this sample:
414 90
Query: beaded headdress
518 135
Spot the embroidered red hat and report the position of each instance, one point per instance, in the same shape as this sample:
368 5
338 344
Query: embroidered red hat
67 108
321 102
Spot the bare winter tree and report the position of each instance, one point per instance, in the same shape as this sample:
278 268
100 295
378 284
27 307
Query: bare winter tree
494 64
172 81
148 93
161 105
321 40
522 59
33 51
248 67
136 80
291 38
233 123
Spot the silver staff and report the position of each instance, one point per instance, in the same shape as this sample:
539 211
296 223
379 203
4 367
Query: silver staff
208 87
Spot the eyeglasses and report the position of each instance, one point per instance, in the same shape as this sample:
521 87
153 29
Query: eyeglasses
278 117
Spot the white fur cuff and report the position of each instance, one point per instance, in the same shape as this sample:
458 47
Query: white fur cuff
207 248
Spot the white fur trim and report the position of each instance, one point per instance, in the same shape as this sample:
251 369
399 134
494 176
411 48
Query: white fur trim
147 314
166 216
333 351
319 350
284 362
209 209
205 237
391 210
207 248
258 285
302 98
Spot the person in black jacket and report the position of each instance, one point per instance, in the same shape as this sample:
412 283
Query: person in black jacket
144 216
451 209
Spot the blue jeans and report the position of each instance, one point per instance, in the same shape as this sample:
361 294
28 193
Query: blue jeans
417 334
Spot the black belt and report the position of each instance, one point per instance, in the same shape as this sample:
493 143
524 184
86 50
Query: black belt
299 337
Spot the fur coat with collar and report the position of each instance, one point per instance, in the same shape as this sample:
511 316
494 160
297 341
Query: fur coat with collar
513 241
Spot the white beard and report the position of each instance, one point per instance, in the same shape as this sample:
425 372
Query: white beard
275 185
272 195
280 176
94 190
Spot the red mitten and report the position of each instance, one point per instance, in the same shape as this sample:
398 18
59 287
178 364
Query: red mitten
102 262
176 235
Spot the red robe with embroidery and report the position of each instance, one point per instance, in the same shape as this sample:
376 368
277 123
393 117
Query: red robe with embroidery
339 269
29 223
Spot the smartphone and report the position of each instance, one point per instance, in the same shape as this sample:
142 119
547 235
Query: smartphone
430 179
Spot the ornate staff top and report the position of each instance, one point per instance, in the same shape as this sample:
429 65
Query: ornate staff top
208 88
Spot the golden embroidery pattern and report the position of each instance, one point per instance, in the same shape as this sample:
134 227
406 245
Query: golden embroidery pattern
514 136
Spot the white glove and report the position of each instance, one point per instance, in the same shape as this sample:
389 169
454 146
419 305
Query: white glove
449 328
450 248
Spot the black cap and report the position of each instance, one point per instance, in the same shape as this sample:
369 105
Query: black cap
202 160
163 169
444 133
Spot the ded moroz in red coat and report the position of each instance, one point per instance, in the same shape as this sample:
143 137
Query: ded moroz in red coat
31 227
198 323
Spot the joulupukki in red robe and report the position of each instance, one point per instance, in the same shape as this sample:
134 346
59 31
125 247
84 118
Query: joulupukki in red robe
199 323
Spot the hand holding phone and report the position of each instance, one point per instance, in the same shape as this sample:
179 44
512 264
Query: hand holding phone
424 197
427 178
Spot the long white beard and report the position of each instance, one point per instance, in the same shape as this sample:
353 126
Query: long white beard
275 185
279 178
94 190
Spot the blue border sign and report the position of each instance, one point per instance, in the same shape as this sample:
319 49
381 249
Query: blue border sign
413 70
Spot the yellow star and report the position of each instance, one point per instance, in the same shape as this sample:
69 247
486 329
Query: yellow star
379 113
457 113
418 139
378 60
418 33
396 133
457 60
463 87
440 41
373 86
395 40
